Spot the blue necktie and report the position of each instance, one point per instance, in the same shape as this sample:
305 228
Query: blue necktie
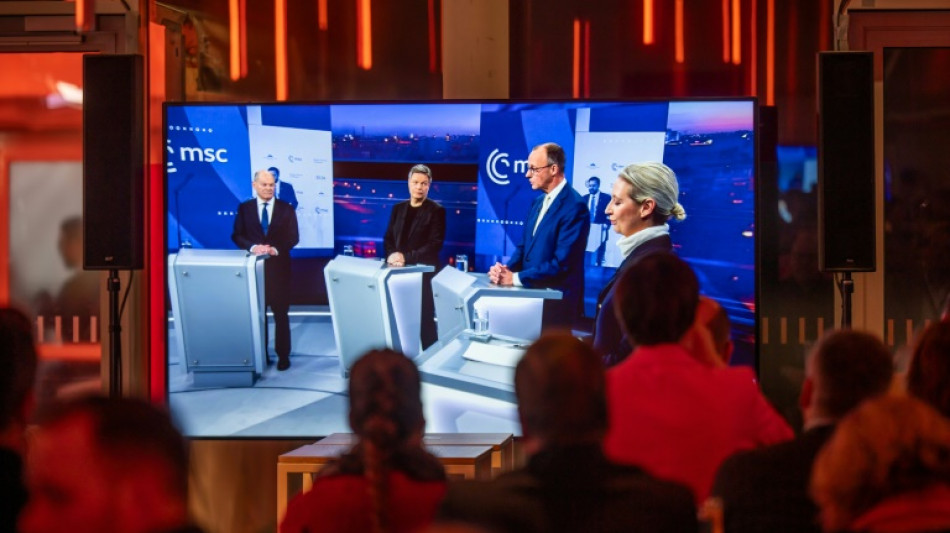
264 221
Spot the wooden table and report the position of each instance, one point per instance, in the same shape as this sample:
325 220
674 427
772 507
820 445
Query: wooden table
469 462
503 447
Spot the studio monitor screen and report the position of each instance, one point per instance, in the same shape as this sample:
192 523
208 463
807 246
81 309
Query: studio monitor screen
846 161
345 165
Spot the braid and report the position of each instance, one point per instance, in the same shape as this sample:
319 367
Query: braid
374 468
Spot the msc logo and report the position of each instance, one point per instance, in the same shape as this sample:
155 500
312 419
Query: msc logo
497 166
203 155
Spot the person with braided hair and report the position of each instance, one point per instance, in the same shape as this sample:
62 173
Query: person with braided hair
387 482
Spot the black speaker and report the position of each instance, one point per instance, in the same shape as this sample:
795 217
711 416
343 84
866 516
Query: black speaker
846 224
113 162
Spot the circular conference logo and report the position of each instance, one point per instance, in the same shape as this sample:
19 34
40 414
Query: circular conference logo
498 160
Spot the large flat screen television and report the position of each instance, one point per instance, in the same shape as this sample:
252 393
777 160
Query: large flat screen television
344 165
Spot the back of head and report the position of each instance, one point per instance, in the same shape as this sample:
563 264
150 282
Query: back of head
561 391
929 371
655 180
385 404
888 446
129 433
656 298
17 365
847 367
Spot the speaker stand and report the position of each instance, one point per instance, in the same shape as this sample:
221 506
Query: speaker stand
846 287
115 336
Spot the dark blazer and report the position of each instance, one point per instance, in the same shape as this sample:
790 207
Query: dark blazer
599 214
287 193
571 489
425 238
553 257
609 338
282 233
767 489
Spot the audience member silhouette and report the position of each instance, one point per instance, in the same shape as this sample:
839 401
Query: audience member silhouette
568 484
17 376
767 489
886 469
673 414
107 465
928 376
387 482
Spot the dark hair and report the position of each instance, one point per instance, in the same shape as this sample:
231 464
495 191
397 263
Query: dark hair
127 433
17 363
275 172
592 178
71 227
656 299
386 415
849 367
560 387
555 154
928 376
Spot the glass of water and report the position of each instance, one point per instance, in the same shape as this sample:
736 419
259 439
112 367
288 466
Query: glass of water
461 262
480 322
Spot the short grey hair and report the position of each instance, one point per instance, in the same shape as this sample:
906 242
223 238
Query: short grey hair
420 169
263 171
655 180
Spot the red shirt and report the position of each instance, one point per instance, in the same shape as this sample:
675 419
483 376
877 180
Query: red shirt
679 419
341 504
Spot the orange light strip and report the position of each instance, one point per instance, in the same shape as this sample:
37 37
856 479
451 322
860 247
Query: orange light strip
736 33
648 22
364 35
242 23
726 56
576 73
770 52
234 39
680 47
586 59
753 45
280 48
81 14
433 56
322 20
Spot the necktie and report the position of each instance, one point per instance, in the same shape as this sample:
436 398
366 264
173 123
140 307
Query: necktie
544 209
592 205
264 219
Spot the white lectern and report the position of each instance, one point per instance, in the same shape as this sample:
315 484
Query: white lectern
481 364
217 299
373 306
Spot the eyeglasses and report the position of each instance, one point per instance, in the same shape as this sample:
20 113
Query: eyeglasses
535 170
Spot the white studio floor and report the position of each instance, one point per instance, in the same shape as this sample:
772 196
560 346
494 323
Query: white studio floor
309 399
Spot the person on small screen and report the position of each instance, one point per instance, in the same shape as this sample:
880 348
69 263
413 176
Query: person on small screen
568 484
551 251
268 226
597 204
415 235
285 191
387 481
107 465
643 198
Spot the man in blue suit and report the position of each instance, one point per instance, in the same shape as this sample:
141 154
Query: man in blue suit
551 252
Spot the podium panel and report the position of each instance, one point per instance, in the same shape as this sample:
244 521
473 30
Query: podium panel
373 306
217 299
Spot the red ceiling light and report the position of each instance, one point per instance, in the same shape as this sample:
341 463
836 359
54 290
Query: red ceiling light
648 22
364 35
576 71
280 48
680 39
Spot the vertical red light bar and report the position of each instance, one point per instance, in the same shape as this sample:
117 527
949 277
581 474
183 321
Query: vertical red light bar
322 21
736 33
234 39
280 48
85 14
433 58
726 42
680 47
364 35
586 59
242 36
648 22
753 47
824 25
576 72
770 52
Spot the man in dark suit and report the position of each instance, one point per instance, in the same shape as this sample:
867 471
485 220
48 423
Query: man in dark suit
596 202
285 191
551 251
767 489
568 483
268 226
414 236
